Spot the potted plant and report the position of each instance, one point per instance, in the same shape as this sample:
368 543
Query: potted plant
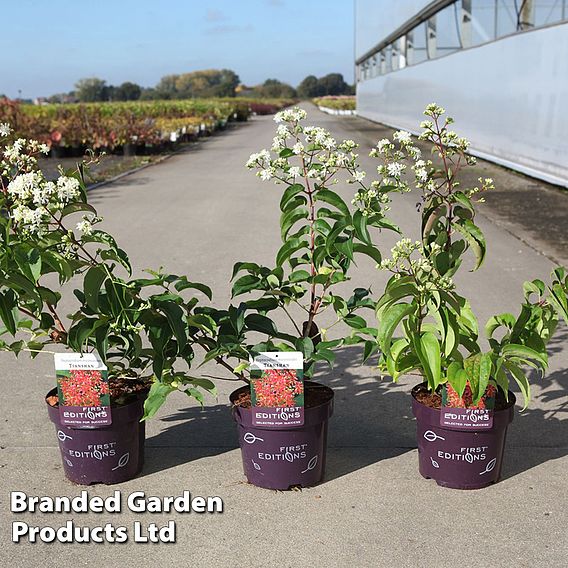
138 326
321 237
464 406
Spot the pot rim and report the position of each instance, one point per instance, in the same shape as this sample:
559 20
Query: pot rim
326 403
510 403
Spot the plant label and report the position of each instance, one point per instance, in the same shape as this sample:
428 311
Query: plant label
277 389
458 413
83 390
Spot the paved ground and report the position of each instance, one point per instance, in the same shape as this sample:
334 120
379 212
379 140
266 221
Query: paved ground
199 212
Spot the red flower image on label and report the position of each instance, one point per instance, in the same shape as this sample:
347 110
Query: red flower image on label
277 388
83 388
466 401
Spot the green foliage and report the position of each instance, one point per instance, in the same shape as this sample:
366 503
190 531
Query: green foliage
321 239
440 336
142 328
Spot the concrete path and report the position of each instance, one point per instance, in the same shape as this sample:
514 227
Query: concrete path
197 214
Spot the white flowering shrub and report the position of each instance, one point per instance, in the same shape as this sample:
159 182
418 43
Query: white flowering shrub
47 229
321 237
440 333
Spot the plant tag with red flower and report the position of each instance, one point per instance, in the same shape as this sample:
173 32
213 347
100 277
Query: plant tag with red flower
83 390
277 389
459 413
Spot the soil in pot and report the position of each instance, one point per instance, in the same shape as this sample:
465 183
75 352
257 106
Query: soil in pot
459 459
285 457
109 454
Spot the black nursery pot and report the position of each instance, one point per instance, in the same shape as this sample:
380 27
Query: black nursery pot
108 454
129 150
460 459
59 152
285 457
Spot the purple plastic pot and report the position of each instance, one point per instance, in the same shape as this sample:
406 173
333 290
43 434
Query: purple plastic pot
285 457
109 454
456 458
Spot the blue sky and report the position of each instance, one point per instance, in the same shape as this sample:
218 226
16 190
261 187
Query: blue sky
47 45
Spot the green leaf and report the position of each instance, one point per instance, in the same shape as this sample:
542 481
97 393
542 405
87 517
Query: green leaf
175 316
495 322
457 377
288 249
196 394
94 279
521 380
206 384
76 207
369 250
333 199
478 368
354 321
369 350
430 358
262 324
291 217
475 239
7 304
250 266
156 397
289 194
22 284
502 381
524 353
324 355
245 284
306 346
389 320
361 230
184 284
299 276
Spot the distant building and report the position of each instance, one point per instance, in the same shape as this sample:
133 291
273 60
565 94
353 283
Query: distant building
500 67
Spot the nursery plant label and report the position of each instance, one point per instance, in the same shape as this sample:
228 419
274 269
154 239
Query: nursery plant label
277 389
83 390
457 414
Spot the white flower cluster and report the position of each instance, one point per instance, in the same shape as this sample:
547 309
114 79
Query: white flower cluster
290 115
31 201
85 226
422 269
312 156
34 200
21 155
310 152
485 184
4 129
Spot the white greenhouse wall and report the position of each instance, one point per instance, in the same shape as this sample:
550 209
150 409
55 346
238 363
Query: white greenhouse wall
376 19
509 97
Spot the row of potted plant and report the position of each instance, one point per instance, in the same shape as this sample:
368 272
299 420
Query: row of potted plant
150 331
341 105
135 126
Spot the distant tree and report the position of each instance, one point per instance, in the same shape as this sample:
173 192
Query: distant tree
334 84
309 88
166 88
149 94
205 83
127 92
91 89
273 88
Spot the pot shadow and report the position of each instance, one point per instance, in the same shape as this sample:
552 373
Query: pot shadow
372 418
372 421
191 434
540 433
